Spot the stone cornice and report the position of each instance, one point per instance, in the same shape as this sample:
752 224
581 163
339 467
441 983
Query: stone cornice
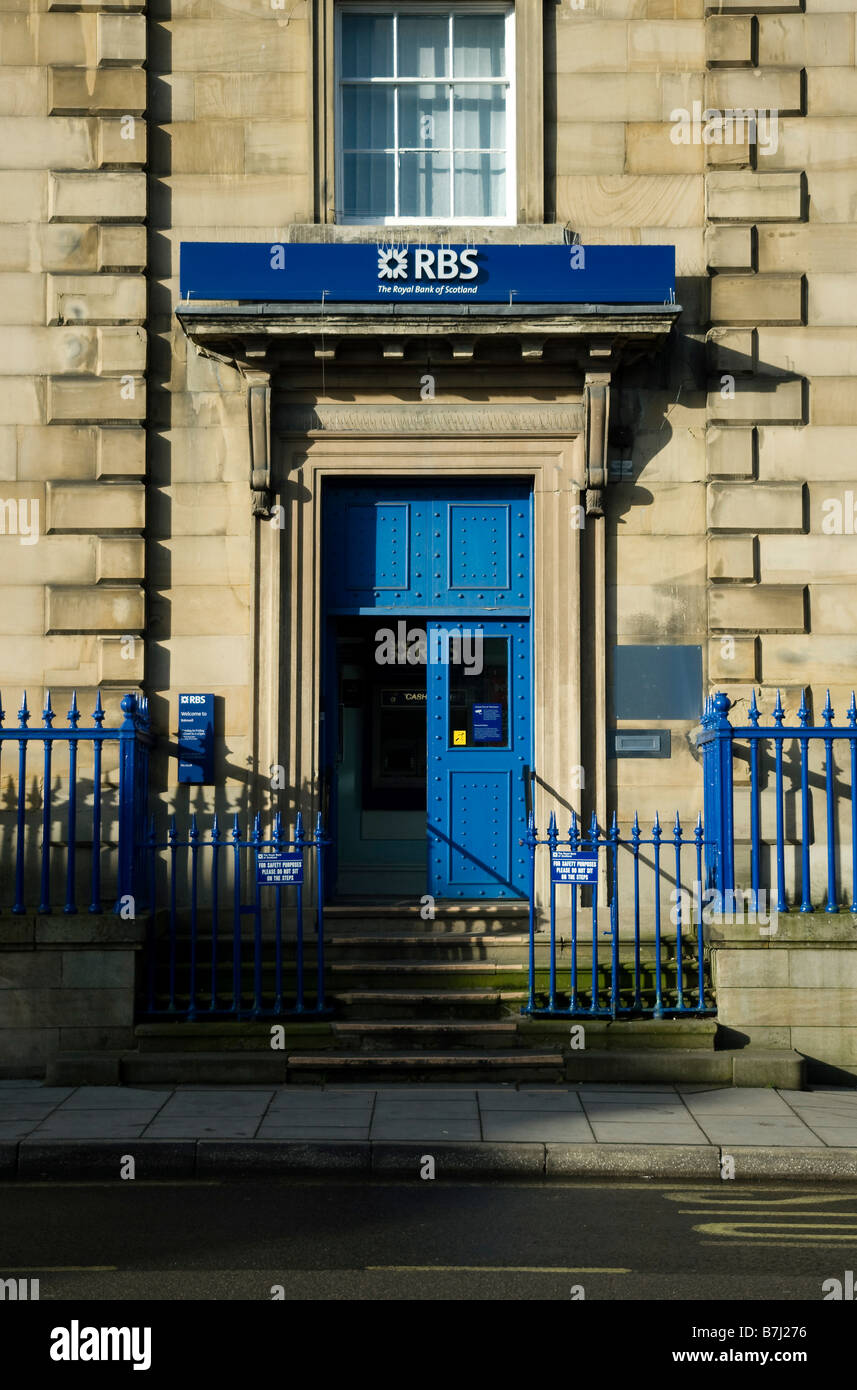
241 333
211 320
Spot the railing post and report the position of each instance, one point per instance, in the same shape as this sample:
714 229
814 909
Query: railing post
320 842
133 800
708 750
531 842
716 745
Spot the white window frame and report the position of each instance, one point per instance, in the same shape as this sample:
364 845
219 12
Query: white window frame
452 8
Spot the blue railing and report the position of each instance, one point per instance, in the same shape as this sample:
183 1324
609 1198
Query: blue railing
655 983
782 855
202 891
85 807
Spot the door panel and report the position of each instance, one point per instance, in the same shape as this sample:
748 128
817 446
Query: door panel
479 737
406 548
479 817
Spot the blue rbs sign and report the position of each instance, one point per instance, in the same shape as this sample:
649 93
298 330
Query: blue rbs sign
196 739
397 272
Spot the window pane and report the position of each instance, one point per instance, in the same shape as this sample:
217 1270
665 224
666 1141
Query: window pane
479 117
368 185
367 45
367 118
479 704
480 185
424 185
423 44
479 43
424 117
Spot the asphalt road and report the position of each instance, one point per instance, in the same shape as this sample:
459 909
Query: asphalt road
428 1240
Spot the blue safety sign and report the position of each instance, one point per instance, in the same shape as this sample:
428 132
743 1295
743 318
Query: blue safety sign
487 723
568 867
280 868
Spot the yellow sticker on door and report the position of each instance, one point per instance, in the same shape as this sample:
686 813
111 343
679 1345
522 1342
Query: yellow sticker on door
459 736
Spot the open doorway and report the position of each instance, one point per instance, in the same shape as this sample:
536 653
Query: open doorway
379 768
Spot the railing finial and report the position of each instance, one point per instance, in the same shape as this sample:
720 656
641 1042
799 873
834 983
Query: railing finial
803 712
827 712
753 712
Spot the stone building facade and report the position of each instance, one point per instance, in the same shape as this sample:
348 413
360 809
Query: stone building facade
137 432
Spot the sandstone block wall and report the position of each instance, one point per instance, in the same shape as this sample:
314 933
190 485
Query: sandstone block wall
127 131
73 352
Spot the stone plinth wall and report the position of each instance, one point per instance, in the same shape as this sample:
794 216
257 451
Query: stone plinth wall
795 988
66 985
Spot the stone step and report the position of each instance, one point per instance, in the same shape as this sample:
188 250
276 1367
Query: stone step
231 1035
629 1034
429 944
455 981
744 1067
202 1034
486 916
479 946
510 1064
434 1034
404 1004
730 1067
417 946
439 975
221 1068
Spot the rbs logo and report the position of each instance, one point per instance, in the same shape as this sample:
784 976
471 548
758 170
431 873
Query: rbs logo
445 264
429 263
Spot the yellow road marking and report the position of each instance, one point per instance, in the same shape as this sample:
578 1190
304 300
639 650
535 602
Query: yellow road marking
738 1210
63 1269
791 1230
117 1182
780 1244
761 1200
491 1269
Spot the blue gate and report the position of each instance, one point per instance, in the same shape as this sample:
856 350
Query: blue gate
221 943
101 834
598 964
797 777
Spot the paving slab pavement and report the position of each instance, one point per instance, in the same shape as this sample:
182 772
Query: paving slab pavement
587 1129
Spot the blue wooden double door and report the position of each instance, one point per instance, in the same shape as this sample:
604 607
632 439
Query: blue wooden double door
428 686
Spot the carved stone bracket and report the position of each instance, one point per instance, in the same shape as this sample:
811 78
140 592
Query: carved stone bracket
596 401
259 422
